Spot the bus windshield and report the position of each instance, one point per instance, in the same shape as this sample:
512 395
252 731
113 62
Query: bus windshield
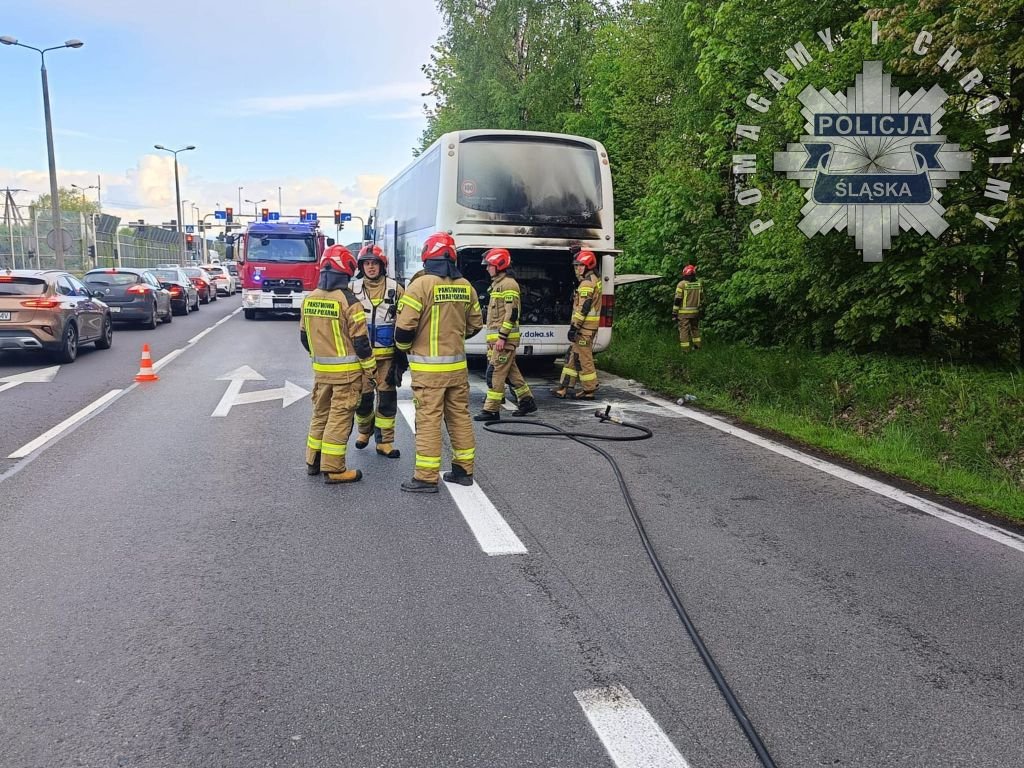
276 248
531 180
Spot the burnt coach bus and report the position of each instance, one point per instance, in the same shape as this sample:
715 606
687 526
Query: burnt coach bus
535 194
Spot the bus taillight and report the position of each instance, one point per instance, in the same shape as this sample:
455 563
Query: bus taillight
607 310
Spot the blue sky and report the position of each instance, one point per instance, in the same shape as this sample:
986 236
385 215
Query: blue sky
320 97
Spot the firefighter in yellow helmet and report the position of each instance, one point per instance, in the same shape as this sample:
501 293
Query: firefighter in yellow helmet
579 369
333 331
379 295
438 312
503 312
686 309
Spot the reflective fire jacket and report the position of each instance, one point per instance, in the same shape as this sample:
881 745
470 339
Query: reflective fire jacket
435 317
586 303
380 303
504 309
334 326
687 300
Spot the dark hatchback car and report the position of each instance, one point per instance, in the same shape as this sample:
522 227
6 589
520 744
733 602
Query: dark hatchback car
52 311
133 295
203 283
184 296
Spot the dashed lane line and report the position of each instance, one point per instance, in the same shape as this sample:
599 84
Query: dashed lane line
494 535
631 735
979 527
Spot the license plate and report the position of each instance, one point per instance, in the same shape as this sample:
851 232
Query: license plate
115 310
285 302
5 315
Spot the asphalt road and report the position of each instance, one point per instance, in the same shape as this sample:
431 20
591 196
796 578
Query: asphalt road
179 593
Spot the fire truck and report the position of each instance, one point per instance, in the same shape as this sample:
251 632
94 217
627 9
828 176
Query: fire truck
279 265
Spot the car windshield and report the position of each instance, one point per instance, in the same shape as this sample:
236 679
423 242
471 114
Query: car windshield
21 286
232 269
215 271
275 248
166 274
106 278
193 272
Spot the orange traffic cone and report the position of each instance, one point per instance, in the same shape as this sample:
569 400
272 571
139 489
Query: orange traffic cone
146 367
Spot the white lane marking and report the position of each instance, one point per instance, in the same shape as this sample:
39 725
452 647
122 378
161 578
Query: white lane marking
482 388
632 737
409 412
493 534
224 406
981 528
38 376
44 438
166 359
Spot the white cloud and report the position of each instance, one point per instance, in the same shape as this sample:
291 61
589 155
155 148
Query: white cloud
302 102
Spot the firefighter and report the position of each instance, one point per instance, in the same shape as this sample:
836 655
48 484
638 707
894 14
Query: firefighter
502 337
686 309
438 312
586 317
333 331
379 295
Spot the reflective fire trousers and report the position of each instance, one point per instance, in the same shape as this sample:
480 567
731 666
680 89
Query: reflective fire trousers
502 368
579 365
689 332
387 406
334 405
444 399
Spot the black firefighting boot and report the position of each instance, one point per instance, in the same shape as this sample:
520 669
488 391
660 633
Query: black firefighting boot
526 406
362 441
345 476
419 486
584 396
487 416
561 392
458 475
314 468
388 450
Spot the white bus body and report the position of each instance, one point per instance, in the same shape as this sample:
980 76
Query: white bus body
535 194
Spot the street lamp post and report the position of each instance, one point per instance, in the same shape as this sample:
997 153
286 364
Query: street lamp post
177 186
240 200
255 209
54 196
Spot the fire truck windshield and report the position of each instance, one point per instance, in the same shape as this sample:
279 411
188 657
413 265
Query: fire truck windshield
280 249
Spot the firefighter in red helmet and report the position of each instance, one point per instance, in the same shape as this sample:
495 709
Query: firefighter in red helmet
379 295
438 312
503 311
579 370
333 331
686 309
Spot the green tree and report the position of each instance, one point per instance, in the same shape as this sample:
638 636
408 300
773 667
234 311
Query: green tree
71 201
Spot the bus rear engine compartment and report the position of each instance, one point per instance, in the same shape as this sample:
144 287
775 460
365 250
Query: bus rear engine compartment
546 282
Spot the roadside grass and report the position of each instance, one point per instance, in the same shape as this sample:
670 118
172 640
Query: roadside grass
955 429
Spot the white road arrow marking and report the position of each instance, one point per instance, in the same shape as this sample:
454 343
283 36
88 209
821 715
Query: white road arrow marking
39 376
288 394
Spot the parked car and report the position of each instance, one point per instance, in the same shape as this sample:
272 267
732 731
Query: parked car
225 283
203 282
51 311
133 295
184 296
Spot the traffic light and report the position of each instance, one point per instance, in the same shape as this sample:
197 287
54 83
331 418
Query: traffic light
302 214
92 251
337 217
190 242
265 213
230 212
